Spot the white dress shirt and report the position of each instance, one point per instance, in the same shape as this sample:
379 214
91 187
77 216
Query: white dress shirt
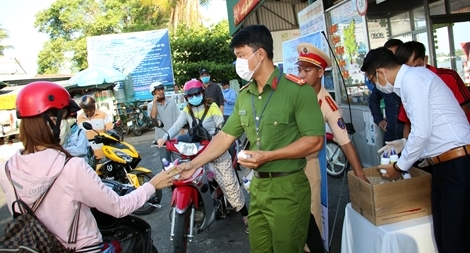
438 123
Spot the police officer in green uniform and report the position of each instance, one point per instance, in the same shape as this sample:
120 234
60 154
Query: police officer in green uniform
283 122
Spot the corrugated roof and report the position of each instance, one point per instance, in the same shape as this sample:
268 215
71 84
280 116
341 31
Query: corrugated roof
276 15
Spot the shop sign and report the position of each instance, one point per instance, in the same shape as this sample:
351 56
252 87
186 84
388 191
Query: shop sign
242 9
361 6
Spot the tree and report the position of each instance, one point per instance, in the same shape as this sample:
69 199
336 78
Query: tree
182 12
3 35
69 22
201 47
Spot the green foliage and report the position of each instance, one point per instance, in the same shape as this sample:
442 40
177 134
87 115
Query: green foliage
69 22
3 35
194 48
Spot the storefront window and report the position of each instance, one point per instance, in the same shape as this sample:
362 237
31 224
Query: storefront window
400 24
437 8
423 38
456 6
459 6
405 37
349 39
378 32
419 18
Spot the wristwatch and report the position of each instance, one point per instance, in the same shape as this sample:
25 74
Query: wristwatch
395 167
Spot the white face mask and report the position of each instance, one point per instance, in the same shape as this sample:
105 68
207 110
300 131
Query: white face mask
243 70
387 89
64 131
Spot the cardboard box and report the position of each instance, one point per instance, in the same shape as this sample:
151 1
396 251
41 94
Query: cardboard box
383 202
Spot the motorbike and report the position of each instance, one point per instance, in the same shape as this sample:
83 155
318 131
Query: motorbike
121 128
132 233
120 164
196 201
139 121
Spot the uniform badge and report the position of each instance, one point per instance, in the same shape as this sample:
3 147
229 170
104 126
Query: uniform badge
341 123
242 112
305 50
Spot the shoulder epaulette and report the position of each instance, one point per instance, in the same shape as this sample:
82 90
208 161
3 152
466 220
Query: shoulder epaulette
331 103
295 79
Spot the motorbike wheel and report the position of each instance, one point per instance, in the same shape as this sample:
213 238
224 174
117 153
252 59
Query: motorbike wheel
335 159
180 239
137 132
155 199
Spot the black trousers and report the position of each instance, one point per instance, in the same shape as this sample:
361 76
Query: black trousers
314 241
450 198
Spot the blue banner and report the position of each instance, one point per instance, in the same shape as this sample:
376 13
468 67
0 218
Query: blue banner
145 57
290 54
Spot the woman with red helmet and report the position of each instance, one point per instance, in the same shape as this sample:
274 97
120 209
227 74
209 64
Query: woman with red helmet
201 108
44 163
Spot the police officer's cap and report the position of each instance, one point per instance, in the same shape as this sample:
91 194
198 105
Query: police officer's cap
311 54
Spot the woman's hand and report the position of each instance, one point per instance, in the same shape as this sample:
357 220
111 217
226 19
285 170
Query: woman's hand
164 178
160 142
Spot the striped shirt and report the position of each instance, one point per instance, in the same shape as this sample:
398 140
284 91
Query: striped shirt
101 122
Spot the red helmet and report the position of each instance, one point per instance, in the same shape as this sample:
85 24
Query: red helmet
38 97
193 86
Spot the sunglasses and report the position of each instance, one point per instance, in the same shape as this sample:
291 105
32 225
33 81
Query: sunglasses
195 94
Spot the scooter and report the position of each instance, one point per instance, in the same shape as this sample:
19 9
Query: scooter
132 233
140 121
120 164
197 201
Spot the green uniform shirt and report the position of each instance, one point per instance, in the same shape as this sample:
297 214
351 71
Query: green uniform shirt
292 112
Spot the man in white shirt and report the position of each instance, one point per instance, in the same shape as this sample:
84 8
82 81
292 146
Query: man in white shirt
440 133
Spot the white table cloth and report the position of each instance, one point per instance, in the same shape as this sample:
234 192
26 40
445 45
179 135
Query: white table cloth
410 236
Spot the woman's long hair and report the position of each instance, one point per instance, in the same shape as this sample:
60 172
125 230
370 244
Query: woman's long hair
35 132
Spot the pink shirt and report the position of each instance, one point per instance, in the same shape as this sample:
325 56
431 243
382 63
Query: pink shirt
76 182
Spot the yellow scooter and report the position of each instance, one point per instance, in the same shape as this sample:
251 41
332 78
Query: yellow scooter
120 164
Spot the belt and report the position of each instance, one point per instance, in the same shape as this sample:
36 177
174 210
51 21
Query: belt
450 155
272 174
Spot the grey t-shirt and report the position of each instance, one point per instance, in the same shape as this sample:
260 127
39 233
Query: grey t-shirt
168 113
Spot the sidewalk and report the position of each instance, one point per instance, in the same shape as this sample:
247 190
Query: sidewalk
146 137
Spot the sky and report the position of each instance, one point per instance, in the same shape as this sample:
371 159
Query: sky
18 16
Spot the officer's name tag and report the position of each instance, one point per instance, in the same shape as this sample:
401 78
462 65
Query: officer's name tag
242 112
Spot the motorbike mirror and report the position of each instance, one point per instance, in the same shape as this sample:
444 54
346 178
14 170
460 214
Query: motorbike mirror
158 123
87 126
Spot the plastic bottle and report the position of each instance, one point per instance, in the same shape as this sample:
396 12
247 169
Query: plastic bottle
406 175
168 166
384 159
393 156
246 184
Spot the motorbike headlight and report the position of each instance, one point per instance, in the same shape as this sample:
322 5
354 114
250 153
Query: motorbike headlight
124 156
137 111
187 149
